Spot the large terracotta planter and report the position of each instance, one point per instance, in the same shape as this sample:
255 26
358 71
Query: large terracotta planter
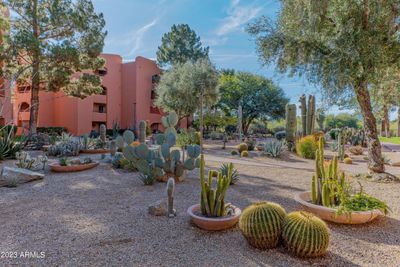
329 214
95 151
213 224
56 167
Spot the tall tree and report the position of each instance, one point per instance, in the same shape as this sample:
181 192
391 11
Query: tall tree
179 45
258 96
341 45
50 41
180 87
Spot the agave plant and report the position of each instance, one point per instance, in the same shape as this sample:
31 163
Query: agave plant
224 170
273 148
9 146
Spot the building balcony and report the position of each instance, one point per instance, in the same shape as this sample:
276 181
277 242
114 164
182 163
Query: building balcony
23 116
101 99
100 117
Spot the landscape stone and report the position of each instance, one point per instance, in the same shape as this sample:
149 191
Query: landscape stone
11 176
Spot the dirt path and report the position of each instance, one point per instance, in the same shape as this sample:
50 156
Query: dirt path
99 218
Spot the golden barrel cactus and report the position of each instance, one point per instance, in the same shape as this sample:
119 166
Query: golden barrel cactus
305 234
261 224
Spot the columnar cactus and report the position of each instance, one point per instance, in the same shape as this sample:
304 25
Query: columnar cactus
261 224
102 132
212 202
170 193
327 181
307 114
305 235
142 131
340 145
291 124
303 108
113 148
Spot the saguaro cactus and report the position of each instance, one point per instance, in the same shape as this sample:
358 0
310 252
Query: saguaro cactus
291 124
142 132
170 193
307 114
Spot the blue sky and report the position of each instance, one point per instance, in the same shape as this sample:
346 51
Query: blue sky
135 27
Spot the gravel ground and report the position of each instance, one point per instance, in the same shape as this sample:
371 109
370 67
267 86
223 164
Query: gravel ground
99 218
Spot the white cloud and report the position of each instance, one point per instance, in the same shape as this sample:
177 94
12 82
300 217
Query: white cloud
137 38
238 15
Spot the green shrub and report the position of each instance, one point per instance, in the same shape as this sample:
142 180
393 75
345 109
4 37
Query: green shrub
52 130
244 153
251 144
242 147
280 135
306 147
234 152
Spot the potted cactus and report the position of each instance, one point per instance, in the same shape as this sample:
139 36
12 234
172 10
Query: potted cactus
73 165
332 197
97 145
212 213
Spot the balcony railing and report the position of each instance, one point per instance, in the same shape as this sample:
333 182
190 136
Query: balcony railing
100 117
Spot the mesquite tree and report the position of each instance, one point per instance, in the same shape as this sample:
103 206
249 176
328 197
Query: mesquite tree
48 43
342 45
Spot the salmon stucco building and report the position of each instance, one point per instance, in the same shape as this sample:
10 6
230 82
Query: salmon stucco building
128 96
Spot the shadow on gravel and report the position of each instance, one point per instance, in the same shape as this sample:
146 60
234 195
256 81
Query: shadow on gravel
384 230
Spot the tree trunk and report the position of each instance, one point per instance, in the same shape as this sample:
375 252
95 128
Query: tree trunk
398 122
35 86
383 128
386 120
375 162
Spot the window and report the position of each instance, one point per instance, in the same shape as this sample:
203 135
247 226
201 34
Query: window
24 107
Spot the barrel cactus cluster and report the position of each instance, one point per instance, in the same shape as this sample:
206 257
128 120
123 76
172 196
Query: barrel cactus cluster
161 162
266 224
261 224
305 235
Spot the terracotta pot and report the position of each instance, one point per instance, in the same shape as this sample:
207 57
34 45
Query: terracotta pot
215 223
95 151
56 167
329 214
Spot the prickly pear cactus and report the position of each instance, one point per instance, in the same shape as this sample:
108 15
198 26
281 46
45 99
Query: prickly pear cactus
169 122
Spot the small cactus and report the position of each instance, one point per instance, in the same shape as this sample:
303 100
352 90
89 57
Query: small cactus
242 147
305 235
291 125
261 224
348 161
244 154
102 132
234 152
170 193
142 131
